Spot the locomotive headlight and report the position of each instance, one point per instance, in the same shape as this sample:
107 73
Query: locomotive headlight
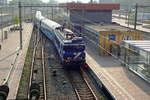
68 59
74 53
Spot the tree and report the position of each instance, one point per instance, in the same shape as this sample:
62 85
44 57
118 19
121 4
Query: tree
16 20
95 1
132 18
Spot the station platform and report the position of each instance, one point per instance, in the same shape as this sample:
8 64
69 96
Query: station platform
10 54
123 21
120 81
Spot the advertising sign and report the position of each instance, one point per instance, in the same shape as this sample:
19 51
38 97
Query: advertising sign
112 37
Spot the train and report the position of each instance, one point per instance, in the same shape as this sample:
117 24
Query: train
69 45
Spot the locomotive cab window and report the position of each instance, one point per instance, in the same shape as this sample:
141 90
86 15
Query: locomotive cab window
69 48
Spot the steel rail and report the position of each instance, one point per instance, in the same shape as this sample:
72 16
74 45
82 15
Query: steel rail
89 85
31 72
76 91
86 86
32 65
44 76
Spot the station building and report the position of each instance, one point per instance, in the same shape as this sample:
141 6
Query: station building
136 55
87 13
111 37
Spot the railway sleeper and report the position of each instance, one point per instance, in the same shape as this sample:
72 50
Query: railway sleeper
79 89
89 94
86 97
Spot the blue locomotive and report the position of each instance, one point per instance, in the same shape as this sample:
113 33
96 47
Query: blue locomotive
70 46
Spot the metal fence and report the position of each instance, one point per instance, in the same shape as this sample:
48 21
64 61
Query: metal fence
134 15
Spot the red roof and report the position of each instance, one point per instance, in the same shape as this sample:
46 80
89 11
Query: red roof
79 6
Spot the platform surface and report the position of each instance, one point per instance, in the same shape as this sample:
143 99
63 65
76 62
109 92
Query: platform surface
121 83
122 23
8 53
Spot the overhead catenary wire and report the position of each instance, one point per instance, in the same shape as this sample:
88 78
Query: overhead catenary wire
108 38
93 23
120 60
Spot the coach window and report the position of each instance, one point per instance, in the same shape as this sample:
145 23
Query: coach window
57 41
48 29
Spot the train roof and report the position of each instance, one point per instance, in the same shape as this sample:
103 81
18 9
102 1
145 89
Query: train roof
39 15
51 23
67 36
48 22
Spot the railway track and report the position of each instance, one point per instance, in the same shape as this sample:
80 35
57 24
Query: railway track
80 85
44 73
37 83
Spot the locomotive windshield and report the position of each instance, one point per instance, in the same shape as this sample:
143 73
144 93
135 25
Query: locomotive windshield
72 48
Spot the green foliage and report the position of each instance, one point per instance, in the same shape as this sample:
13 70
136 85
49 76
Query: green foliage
16 20
148 26
95 1
22 93
102 98
148 21
132 17
131 22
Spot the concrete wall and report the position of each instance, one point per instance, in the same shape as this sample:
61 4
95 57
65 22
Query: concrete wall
91 16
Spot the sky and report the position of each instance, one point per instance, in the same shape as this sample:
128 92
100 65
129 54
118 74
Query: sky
60 1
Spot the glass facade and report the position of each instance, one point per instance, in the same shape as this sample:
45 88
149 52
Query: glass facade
136 56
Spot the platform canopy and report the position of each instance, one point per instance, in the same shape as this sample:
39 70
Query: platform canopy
139 60
141 44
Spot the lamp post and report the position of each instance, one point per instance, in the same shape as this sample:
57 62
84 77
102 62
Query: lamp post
20 21
136 7
1 25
